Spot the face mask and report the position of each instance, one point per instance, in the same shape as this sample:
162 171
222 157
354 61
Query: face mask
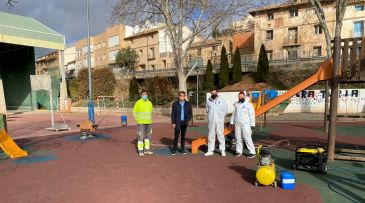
242 100
214 96
144 97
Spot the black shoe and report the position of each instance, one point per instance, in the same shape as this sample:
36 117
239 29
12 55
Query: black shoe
173 152
251 156
183 152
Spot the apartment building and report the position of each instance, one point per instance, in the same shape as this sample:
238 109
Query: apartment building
292 30
70 62
153 48
103 47
211 49
51 61
47 62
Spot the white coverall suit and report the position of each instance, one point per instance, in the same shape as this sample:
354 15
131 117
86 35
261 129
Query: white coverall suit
217 110
243 118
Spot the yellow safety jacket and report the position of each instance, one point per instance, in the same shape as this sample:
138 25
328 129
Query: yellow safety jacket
142 111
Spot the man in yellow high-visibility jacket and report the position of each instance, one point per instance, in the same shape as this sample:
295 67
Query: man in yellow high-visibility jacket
142 113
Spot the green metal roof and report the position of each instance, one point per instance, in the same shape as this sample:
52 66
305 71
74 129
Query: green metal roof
15 29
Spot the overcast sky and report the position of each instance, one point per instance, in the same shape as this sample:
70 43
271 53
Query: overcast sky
67 17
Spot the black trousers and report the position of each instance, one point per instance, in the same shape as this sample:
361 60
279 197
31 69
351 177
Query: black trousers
183 128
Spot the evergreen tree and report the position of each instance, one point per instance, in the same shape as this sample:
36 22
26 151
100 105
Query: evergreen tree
236 69
209 76
224 69
262 66
133 90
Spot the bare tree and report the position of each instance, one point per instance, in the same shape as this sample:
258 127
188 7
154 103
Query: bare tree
200 16
340 6
10 3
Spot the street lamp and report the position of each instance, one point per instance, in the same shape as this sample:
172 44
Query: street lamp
91 103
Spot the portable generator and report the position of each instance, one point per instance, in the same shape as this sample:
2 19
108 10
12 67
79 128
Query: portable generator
265 174
311 157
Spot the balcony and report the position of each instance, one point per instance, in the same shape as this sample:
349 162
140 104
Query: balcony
291 41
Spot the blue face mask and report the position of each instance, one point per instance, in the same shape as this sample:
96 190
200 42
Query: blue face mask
144 97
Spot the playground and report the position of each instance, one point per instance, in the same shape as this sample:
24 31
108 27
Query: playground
62 168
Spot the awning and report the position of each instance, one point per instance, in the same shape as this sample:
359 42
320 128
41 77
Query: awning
20 30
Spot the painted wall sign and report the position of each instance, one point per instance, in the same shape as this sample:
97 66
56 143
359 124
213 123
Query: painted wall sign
351 101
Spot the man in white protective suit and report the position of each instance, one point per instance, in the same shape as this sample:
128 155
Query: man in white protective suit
243 118
217 109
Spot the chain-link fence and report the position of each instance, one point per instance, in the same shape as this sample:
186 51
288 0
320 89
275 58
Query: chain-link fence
198 99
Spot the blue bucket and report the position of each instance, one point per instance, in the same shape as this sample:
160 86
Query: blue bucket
287 180
123 120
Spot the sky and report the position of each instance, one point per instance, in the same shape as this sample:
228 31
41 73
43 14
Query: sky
67 17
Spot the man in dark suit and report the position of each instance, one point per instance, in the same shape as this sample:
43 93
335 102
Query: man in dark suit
181 114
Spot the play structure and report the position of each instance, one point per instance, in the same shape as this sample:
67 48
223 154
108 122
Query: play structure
324 73
87 129
9 147
44 82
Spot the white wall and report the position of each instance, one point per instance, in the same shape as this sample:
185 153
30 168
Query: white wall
351 101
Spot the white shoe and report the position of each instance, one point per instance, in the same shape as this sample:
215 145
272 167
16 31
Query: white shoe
223 153
209 154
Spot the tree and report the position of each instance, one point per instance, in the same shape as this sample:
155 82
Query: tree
133 89
209 76
103 82
160 90
262 66
83 82
10 3
236 69
200 16
340 6
223 69
127 57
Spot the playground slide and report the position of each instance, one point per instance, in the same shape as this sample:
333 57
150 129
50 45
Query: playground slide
8 145
324 73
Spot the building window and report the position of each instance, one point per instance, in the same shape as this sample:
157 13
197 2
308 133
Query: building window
113 41
358 28
104 57
269 35
112 55
104 44
293 13
317 29
84 50
292 54
270 16
269 54
151 53
359 7
317 51
199 51
99 45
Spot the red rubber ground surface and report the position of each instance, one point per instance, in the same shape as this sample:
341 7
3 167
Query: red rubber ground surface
108 170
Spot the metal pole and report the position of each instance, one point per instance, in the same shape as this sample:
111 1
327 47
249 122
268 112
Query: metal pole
91 103
88 53
197 89
51 105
